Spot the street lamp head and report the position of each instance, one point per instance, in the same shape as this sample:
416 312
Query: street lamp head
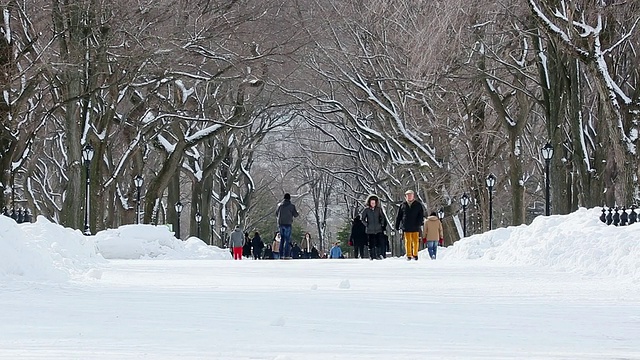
464 200
212 222
547 152
491 181
178 207
441 214
223 228
138 181
87 153
198 217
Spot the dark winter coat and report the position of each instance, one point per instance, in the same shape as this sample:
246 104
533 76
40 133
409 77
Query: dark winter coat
373 218
358 232
285 212
268 253
246 248
410 216
257 243
295 251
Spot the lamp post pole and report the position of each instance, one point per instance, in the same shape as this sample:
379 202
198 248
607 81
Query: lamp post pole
178 208
547 154
138 180
464 200
491 182
87 155
198 220
392 242
212 222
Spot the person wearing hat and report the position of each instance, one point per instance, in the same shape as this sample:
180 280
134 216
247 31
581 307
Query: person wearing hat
374 222
410 218
358 237
432 233
285 213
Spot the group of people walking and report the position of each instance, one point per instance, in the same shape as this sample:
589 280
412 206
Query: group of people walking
242 246
370 226
368 229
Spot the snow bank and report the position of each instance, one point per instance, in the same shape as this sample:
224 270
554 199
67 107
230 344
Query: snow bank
45 251
577 242
149 241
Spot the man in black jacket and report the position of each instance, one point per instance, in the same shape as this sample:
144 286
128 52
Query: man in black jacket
285 213
257 245
358 237
411 217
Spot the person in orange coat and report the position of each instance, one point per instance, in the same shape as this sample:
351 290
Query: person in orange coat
432 234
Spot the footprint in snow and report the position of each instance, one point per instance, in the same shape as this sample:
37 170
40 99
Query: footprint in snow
94 273
314 287
345 284
279 321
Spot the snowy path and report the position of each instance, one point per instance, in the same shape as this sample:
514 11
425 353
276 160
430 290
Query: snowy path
304 309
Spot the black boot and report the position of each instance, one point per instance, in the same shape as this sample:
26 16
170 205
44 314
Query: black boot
372 253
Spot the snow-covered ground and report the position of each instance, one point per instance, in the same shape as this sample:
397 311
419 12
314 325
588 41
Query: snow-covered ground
565 287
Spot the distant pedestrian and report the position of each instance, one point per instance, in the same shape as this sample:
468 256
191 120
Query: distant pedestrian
358 237
295 251
433 234
306 243
275 246
384 244
285 213
314 253
268 253
236 240
410 218
257 245
246 247
335 252
374 222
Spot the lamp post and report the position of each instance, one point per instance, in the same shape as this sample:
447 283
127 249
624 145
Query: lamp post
464 200
441 214
547 154
491 182
393 241
87 155
223 229
178 207
138 181
212 222
198 220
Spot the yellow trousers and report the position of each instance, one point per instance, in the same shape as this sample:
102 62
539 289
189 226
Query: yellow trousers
412 243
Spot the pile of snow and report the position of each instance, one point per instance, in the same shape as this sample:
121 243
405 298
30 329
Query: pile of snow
149 241
45 251
578 242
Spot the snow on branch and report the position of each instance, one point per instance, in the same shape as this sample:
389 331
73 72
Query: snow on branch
203 133
550 26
